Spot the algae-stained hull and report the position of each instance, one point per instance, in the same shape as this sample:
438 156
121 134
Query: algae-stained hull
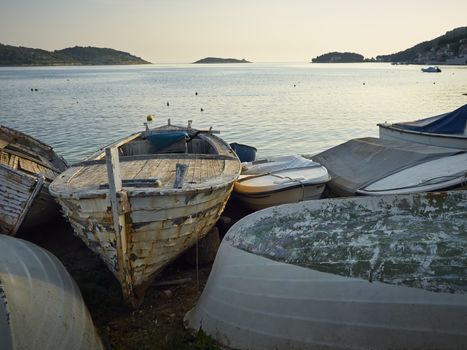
27 167
382 272
158 218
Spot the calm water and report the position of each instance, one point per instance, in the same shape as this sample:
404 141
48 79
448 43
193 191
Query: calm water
278 108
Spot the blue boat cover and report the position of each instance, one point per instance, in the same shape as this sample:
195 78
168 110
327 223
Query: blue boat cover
452 123
165 139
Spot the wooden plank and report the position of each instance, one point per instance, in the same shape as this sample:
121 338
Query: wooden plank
115 187
35 192
180 173
3 143
173 156
102 156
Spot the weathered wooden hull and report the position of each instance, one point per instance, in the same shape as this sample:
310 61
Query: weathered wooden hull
134 210
27 167
18 191
159 227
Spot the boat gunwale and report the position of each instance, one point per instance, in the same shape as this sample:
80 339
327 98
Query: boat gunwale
135 192
268 193
422 133
451 185
39 142
123 159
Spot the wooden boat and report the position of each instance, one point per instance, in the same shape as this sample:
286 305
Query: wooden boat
437 175
280 180
27 167
431 69
384 272
445 130
166 187
40 305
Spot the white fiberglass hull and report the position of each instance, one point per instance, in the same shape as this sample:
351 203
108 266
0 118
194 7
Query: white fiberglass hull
251 302
257 201
436 175
282 180
40 305
381 273
389 132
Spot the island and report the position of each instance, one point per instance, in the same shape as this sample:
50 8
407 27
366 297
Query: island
450 48
221 60
338 57
24 56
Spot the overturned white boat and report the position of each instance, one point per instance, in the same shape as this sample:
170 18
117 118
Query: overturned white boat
147 198
385 272
445 130
280 180
40 305
27 167
370 166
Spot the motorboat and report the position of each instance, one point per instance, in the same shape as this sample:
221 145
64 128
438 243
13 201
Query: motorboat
444 173
371 166
382 272
142 201
280 180
431 69
445 130
27 167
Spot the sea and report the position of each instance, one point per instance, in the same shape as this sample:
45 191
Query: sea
281 109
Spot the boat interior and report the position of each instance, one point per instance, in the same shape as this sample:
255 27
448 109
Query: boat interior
163 142
26 154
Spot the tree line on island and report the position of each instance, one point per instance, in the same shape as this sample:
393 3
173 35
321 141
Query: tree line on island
450 48
24 56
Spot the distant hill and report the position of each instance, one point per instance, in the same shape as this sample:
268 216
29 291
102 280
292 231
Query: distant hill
24 56
338 57
450 48
221 60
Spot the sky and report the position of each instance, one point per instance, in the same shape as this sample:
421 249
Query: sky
183 31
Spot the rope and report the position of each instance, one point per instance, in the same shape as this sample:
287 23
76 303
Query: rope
431 181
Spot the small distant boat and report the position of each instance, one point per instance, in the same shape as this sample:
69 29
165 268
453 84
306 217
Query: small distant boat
27 167
280 180
40 305
445 130
384 272
165 187
371 166
433 69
